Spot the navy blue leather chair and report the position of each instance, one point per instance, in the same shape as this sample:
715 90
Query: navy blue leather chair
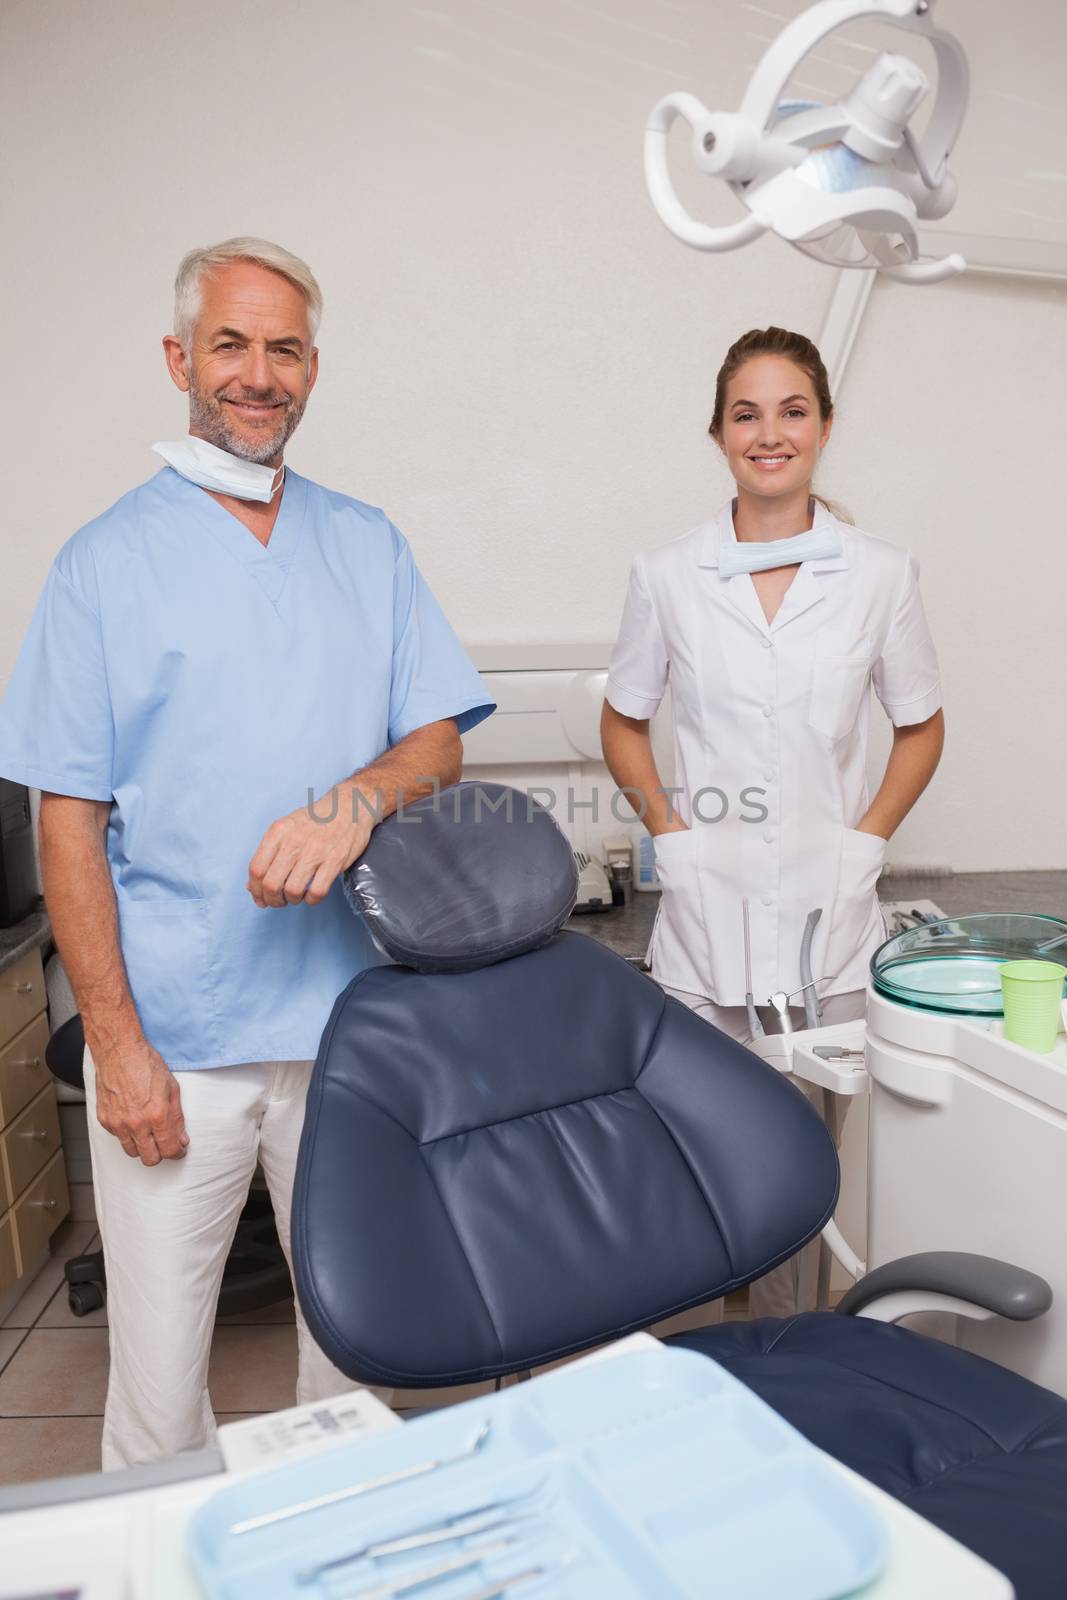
506 1164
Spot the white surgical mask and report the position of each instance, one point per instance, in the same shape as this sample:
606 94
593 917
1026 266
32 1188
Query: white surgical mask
211 468
757 555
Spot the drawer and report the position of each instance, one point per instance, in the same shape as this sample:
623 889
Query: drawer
22 994
39 1212
32 1139
23 1073
9 1270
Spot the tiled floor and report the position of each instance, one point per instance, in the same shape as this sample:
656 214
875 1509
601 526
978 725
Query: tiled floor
53 1370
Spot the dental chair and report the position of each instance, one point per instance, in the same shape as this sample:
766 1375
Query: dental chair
516 1147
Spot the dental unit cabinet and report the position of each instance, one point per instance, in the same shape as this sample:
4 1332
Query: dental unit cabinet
967 1140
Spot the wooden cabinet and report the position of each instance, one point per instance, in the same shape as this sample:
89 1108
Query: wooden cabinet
23 1073
37 1213
9 1270
33 1182
30 1141
22 995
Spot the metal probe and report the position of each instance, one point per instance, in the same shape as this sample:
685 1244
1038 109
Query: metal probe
401 1476
756 1029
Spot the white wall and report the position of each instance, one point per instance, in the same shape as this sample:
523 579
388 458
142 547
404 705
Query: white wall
517 359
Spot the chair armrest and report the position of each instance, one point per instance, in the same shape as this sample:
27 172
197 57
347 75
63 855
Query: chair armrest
948 1280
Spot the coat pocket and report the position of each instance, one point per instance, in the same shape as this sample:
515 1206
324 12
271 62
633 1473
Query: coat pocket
838 684
680 951
856 928
167 948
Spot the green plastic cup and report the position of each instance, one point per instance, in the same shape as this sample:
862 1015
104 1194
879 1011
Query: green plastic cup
1032 994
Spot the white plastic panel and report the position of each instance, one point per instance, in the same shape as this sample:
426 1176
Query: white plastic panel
527 725
552 715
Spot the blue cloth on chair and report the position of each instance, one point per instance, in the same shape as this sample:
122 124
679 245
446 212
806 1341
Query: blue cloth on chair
975 1449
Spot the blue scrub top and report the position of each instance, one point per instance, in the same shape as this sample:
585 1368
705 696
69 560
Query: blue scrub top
203 683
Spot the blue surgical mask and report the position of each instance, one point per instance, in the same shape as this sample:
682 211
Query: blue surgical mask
211 468
757 555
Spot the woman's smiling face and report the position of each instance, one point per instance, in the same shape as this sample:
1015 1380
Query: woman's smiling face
772 430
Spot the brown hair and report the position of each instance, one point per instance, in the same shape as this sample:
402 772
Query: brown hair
776 342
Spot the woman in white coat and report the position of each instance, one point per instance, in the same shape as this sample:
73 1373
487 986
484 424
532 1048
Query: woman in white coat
771 623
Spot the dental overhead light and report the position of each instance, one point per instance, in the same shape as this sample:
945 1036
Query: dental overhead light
845 183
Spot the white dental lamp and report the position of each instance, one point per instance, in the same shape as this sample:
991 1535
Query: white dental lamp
846 183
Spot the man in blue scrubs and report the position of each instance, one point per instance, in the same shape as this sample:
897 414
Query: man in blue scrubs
227 644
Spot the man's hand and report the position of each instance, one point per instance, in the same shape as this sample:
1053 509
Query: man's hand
299 857
138 1100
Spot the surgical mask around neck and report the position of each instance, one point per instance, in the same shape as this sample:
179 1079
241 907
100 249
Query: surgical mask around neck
211 468
759 555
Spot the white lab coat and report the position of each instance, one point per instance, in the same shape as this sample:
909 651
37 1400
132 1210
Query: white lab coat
770 720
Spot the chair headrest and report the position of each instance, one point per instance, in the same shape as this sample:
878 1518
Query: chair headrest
473 875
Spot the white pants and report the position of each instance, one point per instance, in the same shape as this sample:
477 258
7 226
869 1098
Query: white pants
166 1233
792 1286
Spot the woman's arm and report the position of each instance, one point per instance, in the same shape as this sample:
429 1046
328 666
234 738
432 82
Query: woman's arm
912 763
628 752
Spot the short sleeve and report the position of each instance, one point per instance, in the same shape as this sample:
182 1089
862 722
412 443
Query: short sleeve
432 675
637 672
56 728
906 675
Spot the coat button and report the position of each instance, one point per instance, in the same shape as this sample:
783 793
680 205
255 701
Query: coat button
768 838
768 711
766 643
767 900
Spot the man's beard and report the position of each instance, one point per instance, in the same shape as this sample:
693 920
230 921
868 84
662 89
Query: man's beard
207 415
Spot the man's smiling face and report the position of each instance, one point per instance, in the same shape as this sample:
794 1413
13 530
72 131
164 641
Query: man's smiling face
250 367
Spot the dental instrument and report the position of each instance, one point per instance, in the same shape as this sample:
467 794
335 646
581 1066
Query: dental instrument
836 1052
755 1026
846 183
779 1004
460 1526
250 1524
506 1585
812 1009
430 1575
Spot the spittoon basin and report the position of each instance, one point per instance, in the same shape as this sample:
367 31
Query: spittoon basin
953 965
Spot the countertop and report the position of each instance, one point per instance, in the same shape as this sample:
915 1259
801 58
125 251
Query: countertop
24 936
626 929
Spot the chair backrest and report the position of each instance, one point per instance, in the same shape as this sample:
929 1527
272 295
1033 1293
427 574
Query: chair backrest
503 1166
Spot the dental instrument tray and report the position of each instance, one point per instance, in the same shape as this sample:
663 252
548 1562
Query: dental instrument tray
650 1473
954 964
